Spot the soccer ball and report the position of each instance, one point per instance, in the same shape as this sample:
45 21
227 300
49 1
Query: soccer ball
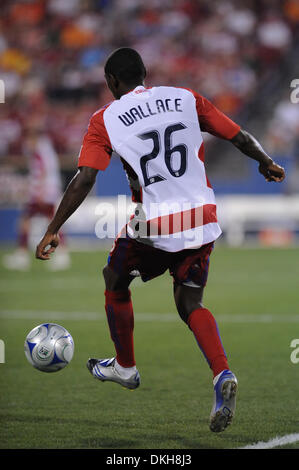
49 347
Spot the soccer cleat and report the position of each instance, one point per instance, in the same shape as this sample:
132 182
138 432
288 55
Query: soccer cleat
224 406
104 370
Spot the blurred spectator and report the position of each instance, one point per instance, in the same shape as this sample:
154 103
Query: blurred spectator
283 129
274 37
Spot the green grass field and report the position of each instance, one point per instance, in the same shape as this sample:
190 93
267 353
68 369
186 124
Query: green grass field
254 295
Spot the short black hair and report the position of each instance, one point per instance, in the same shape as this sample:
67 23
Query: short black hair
126 65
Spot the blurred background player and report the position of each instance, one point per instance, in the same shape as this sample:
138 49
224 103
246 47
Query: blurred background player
44 191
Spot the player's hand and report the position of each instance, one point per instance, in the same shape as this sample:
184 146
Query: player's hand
272 172
47 246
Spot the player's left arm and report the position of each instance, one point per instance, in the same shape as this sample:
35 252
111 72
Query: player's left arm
215 122
73 197
249 145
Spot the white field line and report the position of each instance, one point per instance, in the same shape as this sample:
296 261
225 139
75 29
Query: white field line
142 317
277 441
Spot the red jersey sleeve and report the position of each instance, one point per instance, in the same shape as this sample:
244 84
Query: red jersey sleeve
96 149
212 120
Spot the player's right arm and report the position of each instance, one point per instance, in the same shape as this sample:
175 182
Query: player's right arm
215 122
73 197
94 156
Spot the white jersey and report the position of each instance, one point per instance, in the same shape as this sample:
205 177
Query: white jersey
157 134
44 173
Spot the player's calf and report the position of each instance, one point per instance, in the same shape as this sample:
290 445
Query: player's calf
204 327
187 299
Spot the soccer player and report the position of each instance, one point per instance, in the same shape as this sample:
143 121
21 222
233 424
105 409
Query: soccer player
44 190
157 134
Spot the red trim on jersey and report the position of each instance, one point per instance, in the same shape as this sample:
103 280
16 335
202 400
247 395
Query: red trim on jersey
181 221
212 120
133 181
201 156
138 91
140 195
208 183
201 153
96 149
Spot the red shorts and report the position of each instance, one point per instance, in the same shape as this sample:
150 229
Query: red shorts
39 208
129 255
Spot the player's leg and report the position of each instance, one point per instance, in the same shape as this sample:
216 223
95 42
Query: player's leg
127 259
189 302
120 316
190 277
204 327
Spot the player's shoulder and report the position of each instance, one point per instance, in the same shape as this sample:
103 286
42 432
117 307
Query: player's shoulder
175 89
98 114
96 121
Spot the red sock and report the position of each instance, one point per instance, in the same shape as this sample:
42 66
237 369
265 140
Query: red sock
120 318
205 330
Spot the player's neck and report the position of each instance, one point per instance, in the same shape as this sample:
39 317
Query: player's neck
124 89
